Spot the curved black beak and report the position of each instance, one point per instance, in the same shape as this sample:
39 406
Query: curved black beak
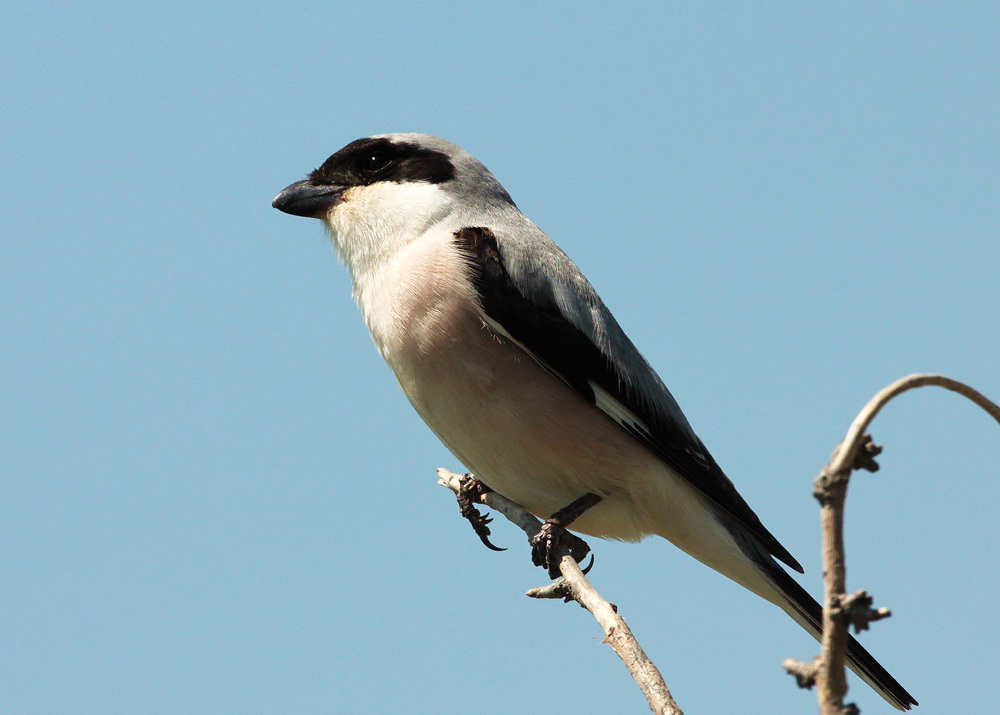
304 198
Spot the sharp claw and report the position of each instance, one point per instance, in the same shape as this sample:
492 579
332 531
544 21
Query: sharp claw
471 486
486 542
586 569
479 523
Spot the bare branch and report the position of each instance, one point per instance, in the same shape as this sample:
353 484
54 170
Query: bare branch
556 589
856 610
573 585
805 673
857 451
846 452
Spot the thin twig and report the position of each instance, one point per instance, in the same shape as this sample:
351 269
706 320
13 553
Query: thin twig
845 454
805 673
840 610
574 585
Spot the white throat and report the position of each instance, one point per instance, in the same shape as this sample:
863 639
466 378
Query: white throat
374 223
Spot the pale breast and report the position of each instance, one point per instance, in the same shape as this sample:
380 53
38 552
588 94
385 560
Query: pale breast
522 431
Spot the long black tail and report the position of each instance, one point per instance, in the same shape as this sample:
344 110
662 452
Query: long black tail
809 614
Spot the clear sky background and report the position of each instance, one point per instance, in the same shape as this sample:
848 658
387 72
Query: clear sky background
215 499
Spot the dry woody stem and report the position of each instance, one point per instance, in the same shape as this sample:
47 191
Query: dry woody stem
573 585
841 610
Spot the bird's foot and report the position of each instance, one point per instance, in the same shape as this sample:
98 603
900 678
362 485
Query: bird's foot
553 541
470 491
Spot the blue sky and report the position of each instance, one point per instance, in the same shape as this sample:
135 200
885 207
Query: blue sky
214 498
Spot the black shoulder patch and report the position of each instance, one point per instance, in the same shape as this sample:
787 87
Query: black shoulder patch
480 244
367 161
558 345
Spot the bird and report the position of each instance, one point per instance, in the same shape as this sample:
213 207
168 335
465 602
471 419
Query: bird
513 360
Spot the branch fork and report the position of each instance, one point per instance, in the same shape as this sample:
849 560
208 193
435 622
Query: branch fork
572 585
840 610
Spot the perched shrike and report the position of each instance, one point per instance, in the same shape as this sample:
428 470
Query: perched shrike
509 355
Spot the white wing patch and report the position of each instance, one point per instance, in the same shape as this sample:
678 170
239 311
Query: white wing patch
614 409
603 400
499 330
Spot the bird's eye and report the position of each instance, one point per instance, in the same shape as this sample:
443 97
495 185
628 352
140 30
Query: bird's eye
374 162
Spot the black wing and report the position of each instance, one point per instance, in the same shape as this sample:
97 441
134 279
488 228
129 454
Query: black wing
543 303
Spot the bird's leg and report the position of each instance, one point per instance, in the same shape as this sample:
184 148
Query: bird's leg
470 490
548 544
